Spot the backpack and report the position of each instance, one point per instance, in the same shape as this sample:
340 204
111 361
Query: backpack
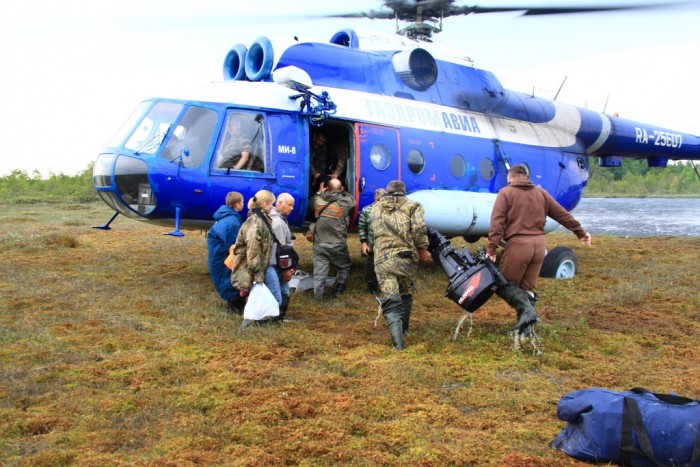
636 427
285 255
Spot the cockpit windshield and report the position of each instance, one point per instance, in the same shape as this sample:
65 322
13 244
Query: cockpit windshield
147 127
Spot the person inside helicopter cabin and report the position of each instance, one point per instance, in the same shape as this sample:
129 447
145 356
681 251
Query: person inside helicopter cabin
327 161
518 217
221 236
237 151
338 153
318 160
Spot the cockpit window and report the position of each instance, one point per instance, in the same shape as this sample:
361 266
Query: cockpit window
129 124
191 137
242 143
150 131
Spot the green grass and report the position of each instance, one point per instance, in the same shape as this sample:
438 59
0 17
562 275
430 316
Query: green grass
115 349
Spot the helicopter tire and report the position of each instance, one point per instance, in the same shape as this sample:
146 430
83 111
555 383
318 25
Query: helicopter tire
559 263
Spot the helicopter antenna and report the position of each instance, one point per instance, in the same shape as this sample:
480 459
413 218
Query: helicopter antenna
560 88
606 103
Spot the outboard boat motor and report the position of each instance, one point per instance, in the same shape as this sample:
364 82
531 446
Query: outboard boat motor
472 279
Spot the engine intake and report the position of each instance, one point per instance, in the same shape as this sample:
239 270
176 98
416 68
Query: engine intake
234 64
417 68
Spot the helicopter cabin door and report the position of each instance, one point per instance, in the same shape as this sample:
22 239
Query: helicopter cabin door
378 159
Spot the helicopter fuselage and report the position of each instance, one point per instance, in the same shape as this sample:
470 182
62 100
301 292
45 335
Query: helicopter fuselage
445 128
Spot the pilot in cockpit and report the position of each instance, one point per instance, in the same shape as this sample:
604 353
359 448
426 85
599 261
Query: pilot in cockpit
235 151
238 150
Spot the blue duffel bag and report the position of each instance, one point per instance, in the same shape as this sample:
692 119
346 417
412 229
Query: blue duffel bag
636 427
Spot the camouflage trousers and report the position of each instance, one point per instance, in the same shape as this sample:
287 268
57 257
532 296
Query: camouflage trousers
396 276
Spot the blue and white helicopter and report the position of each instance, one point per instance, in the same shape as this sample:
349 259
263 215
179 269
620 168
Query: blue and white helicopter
393 107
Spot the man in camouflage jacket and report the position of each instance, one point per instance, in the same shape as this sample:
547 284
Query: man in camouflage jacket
400 243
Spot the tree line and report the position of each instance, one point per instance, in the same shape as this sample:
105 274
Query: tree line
635 179
22 188
632 179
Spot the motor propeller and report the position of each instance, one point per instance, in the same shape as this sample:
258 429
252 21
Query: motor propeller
421 13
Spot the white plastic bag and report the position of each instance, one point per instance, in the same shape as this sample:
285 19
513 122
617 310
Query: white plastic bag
261 303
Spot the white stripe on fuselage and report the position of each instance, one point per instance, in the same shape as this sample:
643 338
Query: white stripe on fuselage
603 136
396 112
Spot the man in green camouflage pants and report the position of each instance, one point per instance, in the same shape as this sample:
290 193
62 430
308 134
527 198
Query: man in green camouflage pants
400 243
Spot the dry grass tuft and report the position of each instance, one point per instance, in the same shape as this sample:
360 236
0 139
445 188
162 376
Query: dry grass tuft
115 349
67 241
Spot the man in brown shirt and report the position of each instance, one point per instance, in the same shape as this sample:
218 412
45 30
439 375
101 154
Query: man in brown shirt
518 217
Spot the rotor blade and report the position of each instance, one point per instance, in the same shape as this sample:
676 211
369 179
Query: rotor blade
371 14
407 11
541 11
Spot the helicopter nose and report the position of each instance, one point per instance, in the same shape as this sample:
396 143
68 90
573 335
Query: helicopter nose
122 183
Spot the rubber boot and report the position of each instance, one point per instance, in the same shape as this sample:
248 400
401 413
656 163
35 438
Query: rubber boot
339 289
283 308
532 296
235 305
392 308
520 300
406 304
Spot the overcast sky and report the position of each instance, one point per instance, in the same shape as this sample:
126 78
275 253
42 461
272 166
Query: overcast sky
73 70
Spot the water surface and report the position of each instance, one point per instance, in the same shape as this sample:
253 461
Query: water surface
640 217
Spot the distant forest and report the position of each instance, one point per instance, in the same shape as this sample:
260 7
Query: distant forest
633 179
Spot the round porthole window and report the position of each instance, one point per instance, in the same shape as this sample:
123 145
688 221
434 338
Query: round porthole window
458 166
379 155
486 169
416 161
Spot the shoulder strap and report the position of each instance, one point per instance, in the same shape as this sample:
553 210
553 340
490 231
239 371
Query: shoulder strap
323 209
632 422
668 398
267 223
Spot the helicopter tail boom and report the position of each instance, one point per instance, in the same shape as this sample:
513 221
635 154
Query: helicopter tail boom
619 137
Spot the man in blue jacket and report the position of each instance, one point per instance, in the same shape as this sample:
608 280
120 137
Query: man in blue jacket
219 239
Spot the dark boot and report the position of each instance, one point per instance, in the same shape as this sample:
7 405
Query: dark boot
283 308
393 311
339 289
235 305
406 304
532 296
520 300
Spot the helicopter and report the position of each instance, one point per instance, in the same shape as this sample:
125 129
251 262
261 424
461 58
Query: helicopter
394 106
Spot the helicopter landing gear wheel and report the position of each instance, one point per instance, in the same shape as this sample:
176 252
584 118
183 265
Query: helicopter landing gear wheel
559 263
